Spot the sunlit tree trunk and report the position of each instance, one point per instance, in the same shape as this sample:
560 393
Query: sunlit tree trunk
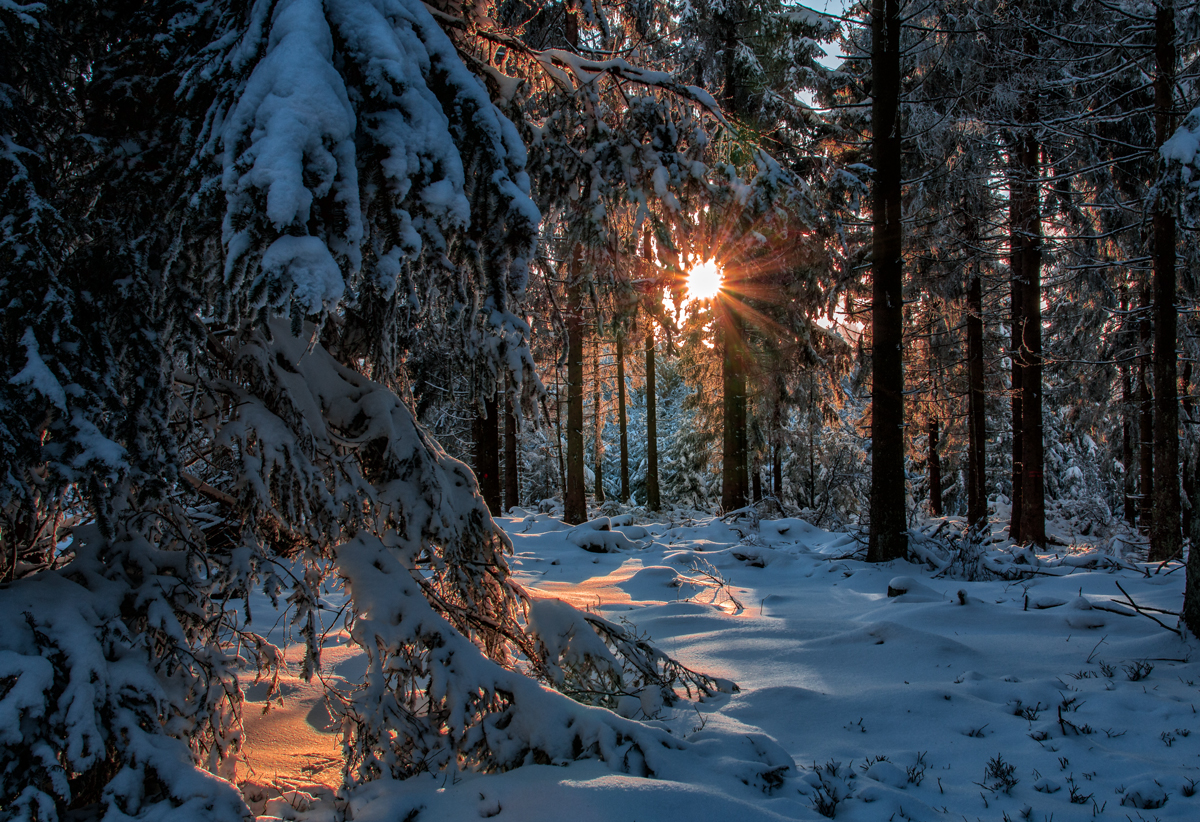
888 538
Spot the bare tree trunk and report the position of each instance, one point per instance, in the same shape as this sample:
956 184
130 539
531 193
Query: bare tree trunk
1189 476
733 470
976 410
888 538
1033 488
1165 535
934 459
487 454
935 470
622 421
1146 418
575 503
777 453
652 496
1016 299
512 479
598 426
1127 424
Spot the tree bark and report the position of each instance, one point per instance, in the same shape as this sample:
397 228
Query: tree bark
652 496
1016 301
512 479
575 502
976 410
733 435
1146 418
888 538
487 454
1127 423
1033 489
935 470
598 427
1188 482
1165 535
622 420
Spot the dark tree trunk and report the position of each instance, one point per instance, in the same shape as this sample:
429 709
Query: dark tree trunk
1188 482
652 498
487 455
933 458
777 453
976 410
1165 535
1127 424
575 502
777 471
512 478
622 421
1016 300
1033 489
597 427
935 470
888 538
1146 418
733 467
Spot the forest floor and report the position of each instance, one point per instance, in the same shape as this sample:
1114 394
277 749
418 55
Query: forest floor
1040 699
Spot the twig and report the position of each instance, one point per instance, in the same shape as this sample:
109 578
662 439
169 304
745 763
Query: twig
1142 611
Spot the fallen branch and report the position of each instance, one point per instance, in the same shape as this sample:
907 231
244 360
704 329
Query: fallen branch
1143 611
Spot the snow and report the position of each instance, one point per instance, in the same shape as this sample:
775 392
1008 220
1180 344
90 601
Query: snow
317 281
1183 146
873 692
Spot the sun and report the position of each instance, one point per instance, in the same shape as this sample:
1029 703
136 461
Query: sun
704 281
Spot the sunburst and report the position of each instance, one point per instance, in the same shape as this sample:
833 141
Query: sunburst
705 280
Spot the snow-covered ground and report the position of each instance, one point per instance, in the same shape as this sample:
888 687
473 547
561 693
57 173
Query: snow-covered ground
1040 699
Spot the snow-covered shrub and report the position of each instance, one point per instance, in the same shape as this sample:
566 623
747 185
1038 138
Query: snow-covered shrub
116 680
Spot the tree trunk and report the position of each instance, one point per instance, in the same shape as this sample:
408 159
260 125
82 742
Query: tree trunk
575 502
1033 489
935 470
976 410
487 454
777 471
888 538
733 471
1016 301
598 427
777 453
1127 423
1146 418
622 420
1165 536
1190 612
652 498
933 458
1188 482
512 479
